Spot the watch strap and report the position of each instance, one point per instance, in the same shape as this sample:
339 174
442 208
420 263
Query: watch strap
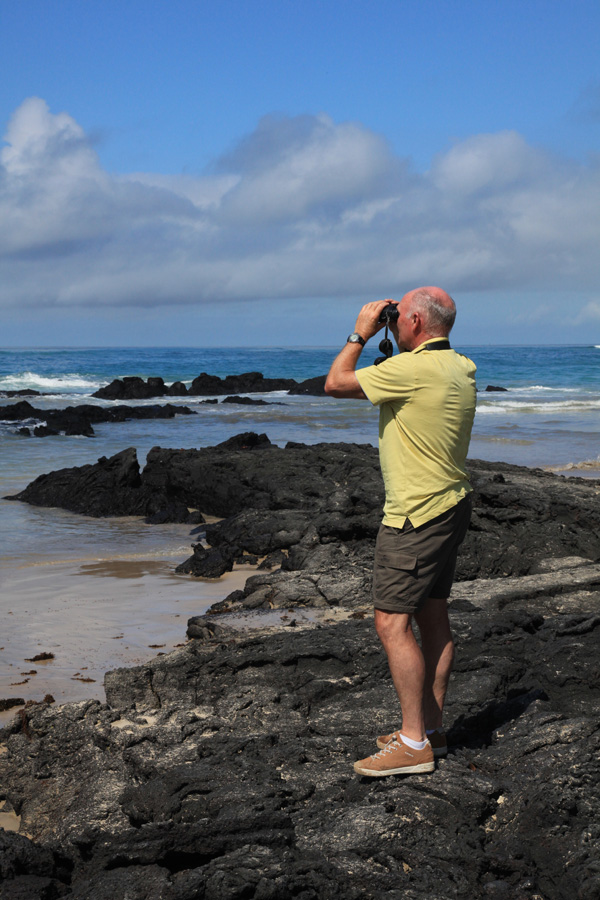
355 338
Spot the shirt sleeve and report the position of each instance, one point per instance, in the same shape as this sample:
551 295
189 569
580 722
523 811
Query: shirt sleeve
391 380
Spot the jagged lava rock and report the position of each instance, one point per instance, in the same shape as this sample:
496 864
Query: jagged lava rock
77 420
247 383
250 401
108 487
313 386
132 387
331 497
224 769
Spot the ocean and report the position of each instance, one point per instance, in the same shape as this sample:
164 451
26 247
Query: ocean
103 592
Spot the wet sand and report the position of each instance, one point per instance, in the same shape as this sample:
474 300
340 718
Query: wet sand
94 616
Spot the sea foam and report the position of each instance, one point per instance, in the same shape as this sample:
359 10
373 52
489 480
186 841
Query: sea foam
67 383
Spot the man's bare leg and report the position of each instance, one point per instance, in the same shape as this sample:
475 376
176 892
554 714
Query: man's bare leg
438 654
407 668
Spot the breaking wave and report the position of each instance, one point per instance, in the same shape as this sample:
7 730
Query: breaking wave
516 406
583 466
63 384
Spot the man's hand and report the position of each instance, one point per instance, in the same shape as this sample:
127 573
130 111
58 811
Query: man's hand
342 380
367 323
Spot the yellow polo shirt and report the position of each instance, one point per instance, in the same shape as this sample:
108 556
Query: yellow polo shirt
426 403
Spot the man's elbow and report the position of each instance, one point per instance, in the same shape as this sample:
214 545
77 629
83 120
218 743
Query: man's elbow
335 388
330 386
347 388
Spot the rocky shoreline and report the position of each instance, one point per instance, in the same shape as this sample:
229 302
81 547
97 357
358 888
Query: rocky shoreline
133 387
30 421
77 420
204 385
224 769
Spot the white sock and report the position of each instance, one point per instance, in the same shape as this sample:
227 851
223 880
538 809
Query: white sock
416 745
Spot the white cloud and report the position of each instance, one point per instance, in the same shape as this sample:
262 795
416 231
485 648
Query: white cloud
486 162
302 207
316 170
589 313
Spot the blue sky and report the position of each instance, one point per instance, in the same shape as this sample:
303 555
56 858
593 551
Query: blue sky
204 173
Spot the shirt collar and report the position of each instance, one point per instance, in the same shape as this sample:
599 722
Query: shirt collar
423 346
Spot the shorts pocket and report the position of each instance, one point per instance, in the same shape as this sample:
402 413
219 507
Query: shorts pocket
405 562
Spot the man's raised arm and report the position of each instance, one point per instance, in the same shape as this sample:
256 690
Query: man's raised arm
342 380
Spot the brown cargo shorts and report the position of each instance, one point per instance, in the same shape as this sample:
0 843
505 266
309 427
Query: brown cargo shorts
412 564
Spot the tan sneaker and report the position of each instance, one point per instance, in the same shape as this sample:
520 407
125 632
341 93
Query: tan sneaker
396 758
437 739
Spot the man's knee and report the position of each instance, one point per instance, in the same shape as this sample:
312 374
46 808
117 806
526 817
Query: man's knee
392 627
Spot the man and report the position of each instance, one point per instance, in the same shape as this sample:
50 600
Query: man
427 404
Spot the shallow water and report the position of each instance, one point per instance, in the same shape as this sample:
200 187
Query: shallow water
93 615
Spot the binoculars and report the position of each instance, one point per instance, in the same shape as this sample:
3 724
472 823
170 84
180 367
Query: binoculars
388 314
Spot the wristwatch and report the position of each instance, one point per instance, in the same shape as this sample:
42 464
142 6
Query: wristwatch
355 338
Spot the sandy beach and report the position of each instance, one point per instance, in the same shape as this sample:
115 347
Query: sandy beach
94 615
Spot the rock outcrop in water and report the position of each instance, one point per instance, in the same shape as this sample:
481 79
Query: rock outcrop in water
78 420
321 505
223 770
135 388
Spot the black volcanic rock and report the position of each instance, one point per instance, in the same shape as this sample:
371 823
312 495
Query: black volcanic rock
259 531
247 383
45 431
177 389
204 628
249 401
175 512
248 440
135 388
315 387
224 769
77 420
321 506
15 412
207 562
132 388
109 487
23 392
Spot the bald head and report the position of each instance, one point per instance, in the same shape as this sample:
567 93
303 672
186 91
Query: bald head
436 308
